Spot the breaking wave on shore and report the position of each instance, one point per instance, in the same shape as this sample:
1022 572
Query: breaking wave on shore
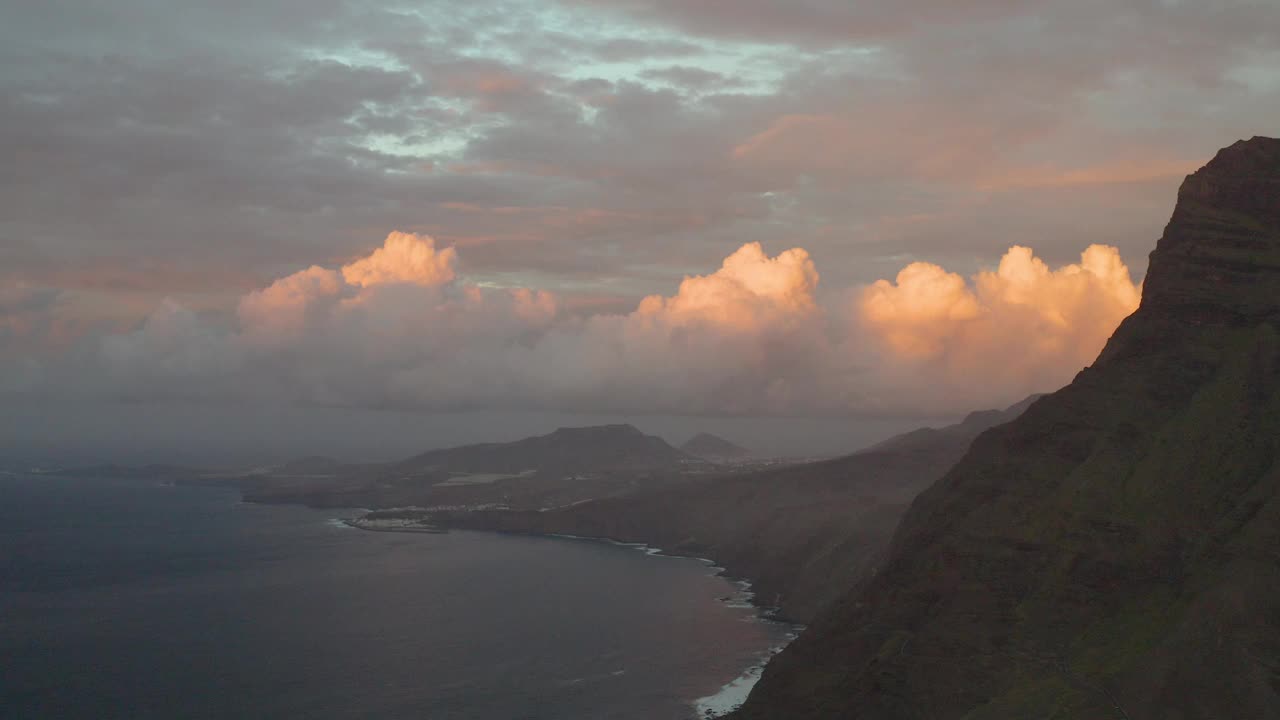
733 694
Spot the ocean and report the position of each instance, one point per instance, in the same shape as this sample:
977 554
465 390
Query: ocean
128 599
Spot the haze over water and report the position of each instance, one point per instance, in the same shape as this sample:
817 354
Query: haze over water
124 599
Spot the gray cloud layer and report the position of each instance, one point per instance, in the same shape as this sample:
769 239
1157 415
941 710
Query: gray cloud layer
180 155
400 329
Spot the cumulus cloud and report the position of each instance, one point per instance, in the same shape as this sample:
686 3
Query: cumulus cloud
914 315
743 339
401 328
749 289
292 305
173 348
1021 328
279 312
355 335
546 151
404 258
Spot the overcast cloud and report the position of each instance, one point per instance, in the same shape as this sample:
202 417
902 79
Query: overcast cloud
197 193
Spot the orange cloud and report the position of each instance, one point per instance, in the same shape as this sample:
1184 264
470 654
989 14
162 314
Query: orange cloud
283 311
398 326
749 289
278 311
914 315
403 258
1021 328
745 338
534 306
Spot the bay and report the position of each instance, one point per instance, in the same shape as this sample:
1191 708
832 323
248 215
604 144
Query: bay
128 599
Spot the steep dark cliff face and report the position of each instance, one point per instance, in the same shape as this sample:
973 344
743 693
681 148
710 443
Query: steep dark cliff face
1114 552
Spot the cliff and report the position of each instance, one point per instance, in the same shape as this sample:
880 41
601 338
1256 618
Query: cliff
1114 552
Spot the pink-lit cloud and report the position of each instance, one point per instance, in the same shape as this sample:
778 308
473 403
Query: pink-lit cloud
403 327
1021 328
749 289
403 258
278 312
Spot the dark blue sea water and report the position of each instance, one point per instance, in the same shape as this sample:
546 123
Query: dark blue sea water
123 599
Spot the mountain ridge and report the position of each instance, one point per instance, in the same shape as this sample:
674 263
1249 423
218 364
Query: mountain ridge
800 533
1113 552
559 467
573 449
707 446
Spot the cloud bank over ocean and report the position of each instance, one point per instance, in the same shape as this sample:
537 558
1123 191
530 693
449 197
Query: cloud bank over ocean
199 188
404 327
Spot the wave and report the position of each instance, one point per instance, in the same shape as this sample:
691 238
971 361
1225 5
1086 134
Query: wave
734 694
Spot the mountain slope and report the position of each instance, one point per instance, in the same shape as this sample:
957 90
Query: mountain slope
969 428
565 466
1115 552
714 448
576 449
800 533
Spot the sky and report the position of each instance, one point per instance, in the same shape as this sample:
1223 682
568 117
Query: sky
255 229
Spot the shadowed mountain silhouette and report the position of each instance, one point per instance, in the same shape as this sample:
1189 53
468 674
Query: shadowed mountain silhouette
568 449
714 448
802 533
1115 551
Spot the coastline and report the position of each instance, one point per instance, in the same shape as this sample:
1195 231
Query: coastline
633 641
733 694
360 524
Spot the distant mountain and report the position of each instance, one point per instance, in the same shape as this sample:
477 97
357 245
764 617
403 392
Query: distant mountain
568 449
559 468
969 428
803 534
1115 551
714 448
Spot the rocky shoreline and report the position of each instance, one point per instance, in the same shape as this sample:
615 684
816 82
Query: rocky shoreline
407 525
728 699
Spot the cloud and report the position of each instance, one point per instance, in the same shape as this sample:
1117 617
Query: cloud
280 311
400 328
691 78
447 344
915 315
28 325
1021 328
175 354
749 290
303 301
36 321
222 143
21 309
404 258
744 339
